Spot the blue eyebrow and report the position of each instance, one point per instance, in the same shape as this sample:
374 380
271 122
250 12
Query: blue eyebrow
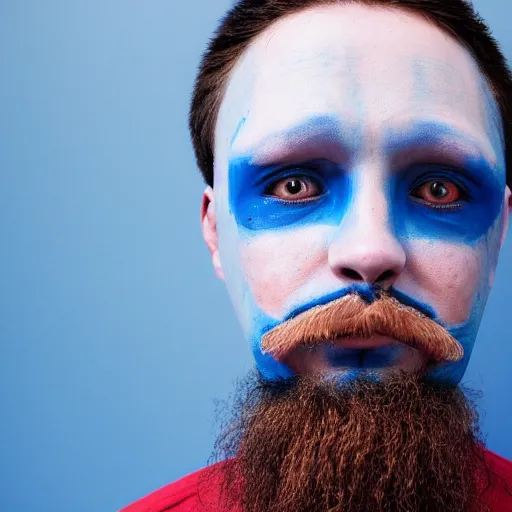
432 133
309 131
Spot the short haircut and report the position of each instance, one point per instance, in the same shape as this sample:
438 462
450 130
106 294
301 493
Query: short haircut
249 18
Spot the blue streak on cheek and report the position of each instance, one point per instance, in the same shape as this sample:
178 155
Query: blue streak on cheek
427 310
466 224
366 291
269 368
241 124
449 373
255 210
465 334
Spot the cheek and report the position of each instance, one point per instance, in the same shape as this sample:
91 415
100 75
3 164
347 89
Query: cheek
447 276
277 264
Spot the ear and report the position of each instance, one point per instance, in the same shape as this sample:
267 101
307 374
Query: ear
209 227
507 212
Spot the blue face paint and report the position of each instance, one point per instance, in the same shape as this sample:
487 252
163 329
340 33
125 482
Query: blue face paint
262 323
375 358
370 359
268 367
255 210
238 129
482 189
452 373
367 292
466 221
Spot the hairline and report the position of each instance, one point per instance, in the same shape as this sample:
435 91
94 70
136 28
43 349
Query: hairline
224 82
247 19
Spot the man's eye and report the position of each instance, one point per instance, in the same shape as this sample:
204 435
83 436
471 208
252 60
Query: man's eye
438 193
295 188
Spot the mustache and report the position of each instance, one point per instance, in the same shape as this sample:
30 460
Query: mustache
352 316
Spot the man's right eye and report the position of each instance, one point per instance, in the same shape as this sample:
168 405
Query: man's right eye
295 188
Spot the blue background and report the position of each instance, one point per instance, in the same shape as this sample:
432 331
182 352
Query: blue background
115 336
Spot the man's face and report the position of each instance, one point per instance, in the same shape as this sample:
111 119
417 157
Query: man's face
357 149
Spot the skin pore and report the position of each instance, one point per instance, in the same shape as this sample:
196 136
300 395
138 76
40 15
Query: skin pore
357 148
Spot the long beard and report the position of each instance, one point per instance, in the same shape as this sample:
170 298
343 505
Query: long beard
305 445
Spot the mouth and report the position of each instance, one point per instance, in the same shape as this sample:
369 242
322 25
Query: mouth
376 352
361 343
385 356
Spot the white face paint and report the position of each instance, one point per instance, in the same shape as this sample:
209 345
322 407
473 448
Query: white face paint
357 146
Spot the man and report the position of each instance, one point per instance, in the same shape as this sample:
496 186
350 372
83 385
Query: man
358 162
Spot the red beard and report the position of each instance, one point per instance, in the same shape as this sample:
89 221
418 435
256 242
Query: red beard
398 445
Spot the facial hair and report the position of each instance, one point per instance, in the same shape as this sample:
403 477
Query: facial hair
312 445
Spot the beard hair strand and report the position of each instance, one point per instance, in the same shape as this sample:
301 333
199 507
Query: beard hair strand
311 445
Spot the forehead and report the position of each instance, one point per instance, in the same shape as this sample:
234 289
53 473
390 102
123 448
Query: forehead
376 70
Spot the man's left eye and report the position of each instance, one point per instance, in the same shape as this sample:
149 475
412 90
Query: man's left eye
295 188
438 193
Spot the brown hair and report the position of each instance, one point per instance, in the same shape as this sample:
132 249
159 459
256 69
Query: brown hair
248 18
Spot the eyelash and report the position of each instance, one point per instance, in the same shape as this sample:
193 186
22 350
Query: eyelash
452 206
299 173
465 195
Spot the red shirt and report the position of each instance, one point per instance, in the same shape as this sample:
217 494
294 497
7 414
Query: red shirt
182 495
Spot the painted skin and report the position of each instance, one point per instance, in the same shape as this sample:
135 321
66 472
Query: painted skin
357 148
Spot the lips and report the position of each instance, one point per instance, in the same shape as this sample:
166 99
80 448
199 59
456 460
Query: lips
377 352
374 358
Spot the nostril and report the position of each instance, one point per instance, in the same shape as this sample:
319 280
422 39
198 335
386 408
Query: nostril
354 275
385 276
351 274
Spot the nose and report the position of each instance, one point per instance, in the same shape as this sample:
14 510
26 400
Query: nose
366 250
